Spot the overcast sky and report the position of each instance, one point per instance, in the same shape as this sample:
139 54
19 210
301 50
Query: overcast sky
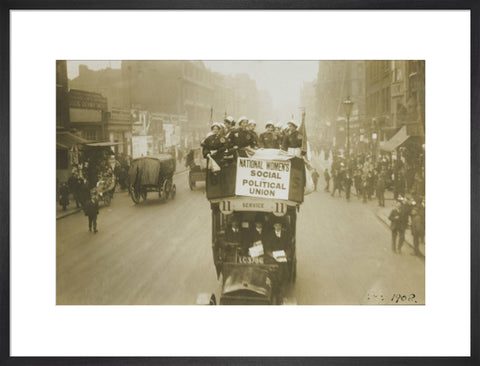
282 79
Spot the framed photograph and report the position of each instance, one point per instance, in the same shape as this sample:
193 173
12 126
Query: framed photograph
309 168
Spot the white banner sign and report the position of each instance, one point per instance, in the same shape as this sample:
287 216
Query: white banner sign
263 178
228 206
139 146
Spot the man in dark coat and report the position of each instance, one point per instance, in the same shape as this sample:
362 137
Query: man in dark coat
73 187
357 179
83 192
64 193
278 239
258 232
269 139
326 175
417 216
381 189
315 177
370 184
91 210
338 178
347 183
398 223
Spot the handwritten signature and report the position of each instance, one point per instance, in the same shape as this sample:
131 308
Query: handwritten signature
396 298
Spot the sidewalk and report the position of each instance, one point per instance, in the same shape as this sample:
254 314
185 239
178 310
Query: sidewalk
382 213
72 209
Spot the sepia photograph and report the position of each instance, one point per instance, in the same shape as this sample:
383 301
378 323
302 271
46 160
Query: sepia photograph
259 182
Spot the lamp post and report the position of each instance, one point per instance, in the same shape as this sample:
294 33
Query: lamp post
348 104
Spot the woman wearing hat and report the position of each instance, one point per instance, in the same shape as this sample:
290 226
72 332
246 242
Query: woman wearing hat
269 139
251 130
292 142
229 124
214 143
240 137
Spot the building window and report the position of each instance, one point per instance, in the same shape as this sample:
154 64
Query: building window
389 98
90 135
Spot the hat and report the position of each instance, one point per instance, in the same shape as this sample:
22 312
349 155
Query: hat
242 119
252 122
293 123
222 125
269 123
228 119
215 124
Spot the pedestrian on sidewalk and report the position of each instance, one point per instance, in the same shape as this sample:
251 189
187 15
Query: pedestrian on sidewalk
395 226
326 175
370 184
417 227
64 193
357 179
315 176
73 187
364 189
381 189
83 192
347 182
91 210
337 183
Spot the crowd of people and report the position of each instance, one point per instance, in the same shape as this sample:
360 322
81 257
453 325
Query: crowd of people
226 140
370 179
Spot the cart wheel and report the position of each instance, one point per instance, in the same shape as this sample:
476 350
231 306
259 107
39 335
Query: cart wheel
107 199
167 188
143 194
134 194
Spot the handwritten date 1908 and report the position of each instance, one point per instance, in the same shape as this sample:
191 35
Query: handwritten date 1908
399 298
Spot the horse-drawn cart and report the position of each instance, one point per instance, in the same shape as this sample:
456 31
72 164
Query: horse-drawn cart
152 174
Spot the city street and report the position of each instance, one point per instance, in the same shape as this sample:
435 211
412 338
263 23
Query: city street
160 254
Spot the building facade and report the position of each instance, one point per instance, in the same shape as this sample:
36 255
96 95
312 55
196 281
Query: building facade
88 114
176 88
337 80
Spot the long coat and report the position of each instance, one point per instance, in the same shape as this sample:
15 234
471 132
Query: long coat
91 208
418 222
292 140
395 219
269 140
273 243
214 145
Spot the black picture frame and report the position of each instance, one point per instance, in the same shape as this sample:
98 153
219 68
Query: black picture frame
7 6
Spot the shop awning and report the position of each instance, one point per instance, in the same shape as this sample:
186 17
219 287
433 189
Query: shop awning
398 139
102 144
65 140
